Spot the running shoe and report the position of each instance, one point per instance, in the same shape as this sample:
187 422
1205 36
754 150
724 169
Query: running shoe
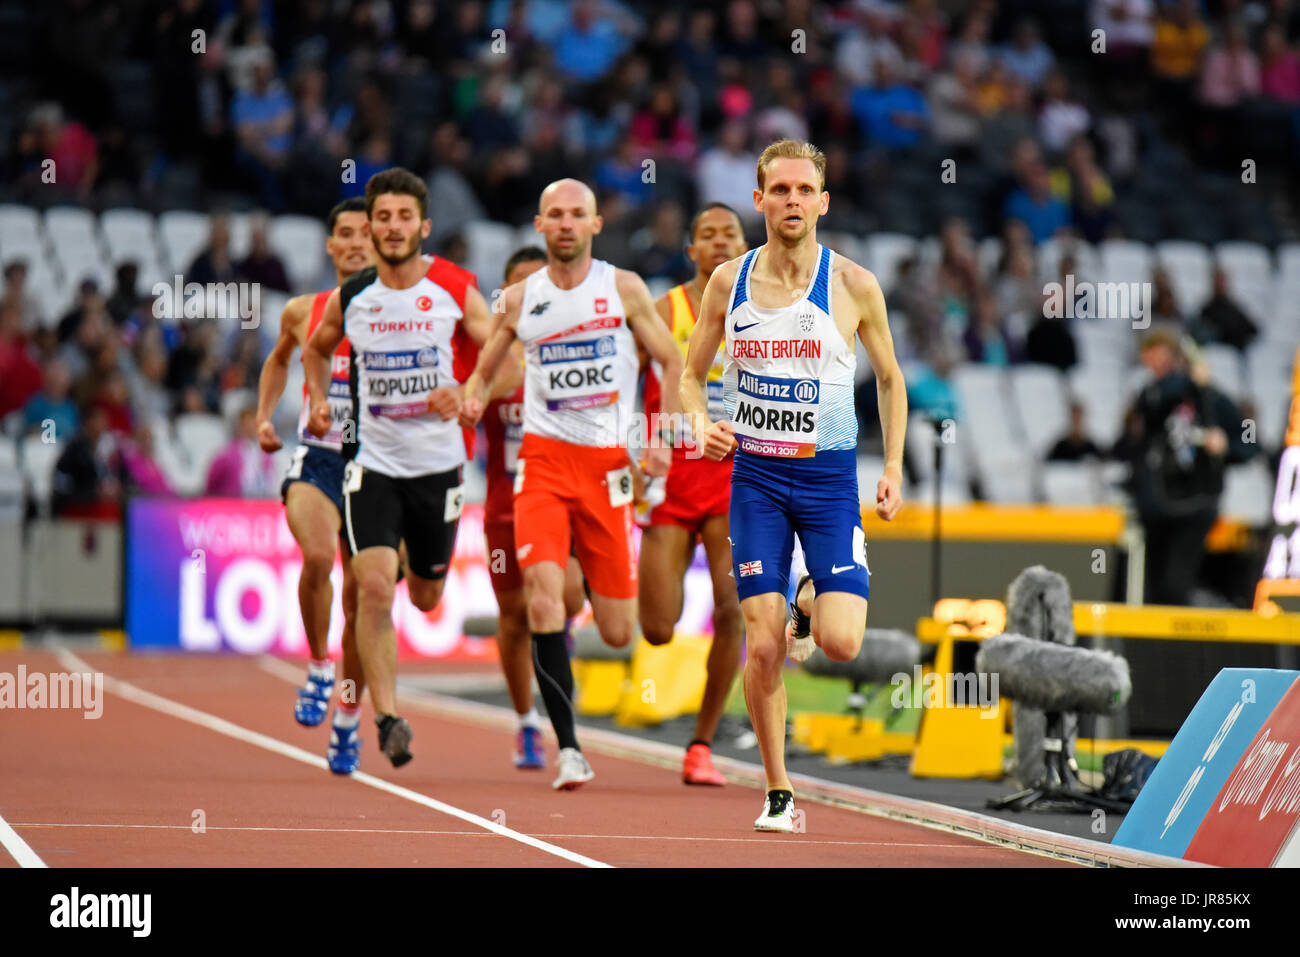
798 632
395 739
574 770
313 701
778 813
530 755
344 753
698 767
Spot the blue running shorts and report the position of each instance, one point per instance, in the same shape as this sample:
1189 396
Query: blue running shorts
816 498
316 466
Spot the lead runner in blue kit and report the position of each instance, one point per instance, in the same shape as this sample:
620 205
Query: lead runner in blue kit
789 311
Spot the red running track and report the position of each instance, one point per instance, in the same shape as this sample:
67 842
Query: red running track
126 790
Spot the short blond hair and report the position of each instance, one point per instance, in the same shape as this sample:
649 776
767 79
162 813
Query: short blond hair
792 149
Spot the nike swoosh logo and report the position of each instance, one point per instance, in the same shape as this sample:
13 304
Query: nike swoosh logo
835 570
743 328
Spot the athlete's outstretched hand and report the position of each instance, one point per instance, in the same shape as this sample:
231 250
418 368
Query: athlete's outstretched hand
266 437
445 401
471 410
321 418
719 439
888 497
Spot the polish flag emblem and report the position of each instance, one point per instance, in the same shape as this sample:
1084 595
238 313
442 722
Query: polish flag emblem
602 306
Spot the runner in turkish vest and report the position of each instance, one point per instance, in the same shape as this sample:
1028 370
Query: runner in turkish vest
789 311
414 324
697 495
313 488
580 320
503 426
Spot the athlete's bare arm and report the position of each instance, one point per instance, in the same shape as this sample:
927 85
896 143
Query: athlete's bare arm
511 374
710 327
873 330
478 387
275 370
445 401
653 334
317 355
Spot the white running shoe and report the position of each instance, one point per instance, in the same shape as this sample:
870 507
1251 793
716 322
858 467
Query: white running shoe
574 770
778 814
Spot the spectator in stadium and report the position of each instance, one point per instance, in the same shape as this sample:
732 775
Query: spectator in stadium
70 146
1018 296
1186 433
1181 37
1075 445
1279 78
112 396
489 126
124 300
88 473
592 41
450 192
698 54
1050 340
88 300
1027 56
1082 184
242 469
262 265
29 309
86 336
958 276
624 173
214 264
1062 117
893 114
53 406
1129 31
986 339
929 338
192 364
1222 320
860 50
1229 79
660 130
1165 313
954 98
659 249
972 40
141 470
149 395
1035 206
20 376
923 30
725 173
262 118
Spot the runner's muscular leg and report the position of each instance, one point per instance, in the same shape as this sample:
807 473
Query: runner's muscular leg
575 595
515 647
838 620
376 573
615 618
315 524
665 554
724 653
765 617
544 592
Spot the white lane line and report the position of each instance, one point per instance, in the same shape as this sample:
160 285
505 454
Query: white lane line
433 833
18 848
175 709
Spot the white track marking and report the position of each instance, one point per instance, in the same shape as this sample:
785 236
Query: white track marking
18 848
175 709
433 833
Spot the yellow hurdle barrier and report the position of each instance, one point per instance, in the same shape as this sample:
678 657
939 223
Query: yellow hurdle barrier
666 680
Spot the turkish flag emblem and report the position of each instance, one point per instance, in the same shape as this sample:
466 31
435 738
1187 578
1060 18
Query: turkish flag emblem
424 304
602 306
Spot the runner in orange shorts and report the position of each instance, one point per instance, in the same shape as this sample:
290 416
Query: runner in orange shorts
580 321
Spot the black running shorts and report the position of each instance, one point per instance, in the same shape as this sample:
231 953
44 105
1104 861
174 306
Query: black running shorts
424 511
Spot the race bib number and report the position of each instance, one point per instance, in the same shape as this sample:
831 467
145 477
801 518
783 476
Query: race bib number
352 477
579 373
455 503
777 416
620 486
398 383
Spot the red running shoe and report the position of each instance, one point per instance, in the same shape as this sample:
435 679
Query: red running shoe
698 767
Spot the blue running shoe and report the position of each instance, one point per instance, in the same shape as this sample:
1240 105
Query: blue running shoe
344 754
529 753
313 701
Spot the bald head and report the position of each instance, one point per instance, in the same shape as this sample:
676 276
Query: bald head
567 193
566 216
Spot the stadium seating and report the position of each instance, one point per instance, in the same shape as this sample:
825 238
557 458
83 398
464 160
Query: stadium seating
300 242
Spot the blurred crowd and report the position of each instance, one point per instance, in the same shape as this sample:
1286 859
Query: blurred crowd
290 106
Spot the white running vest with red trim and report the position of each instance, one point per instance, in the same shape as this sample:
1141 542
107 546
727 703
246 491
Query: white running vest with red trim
340 392
581 359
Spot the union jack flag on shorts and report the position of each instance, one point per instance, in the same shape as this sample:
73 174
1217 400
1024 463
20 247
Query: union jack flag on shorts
750 568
